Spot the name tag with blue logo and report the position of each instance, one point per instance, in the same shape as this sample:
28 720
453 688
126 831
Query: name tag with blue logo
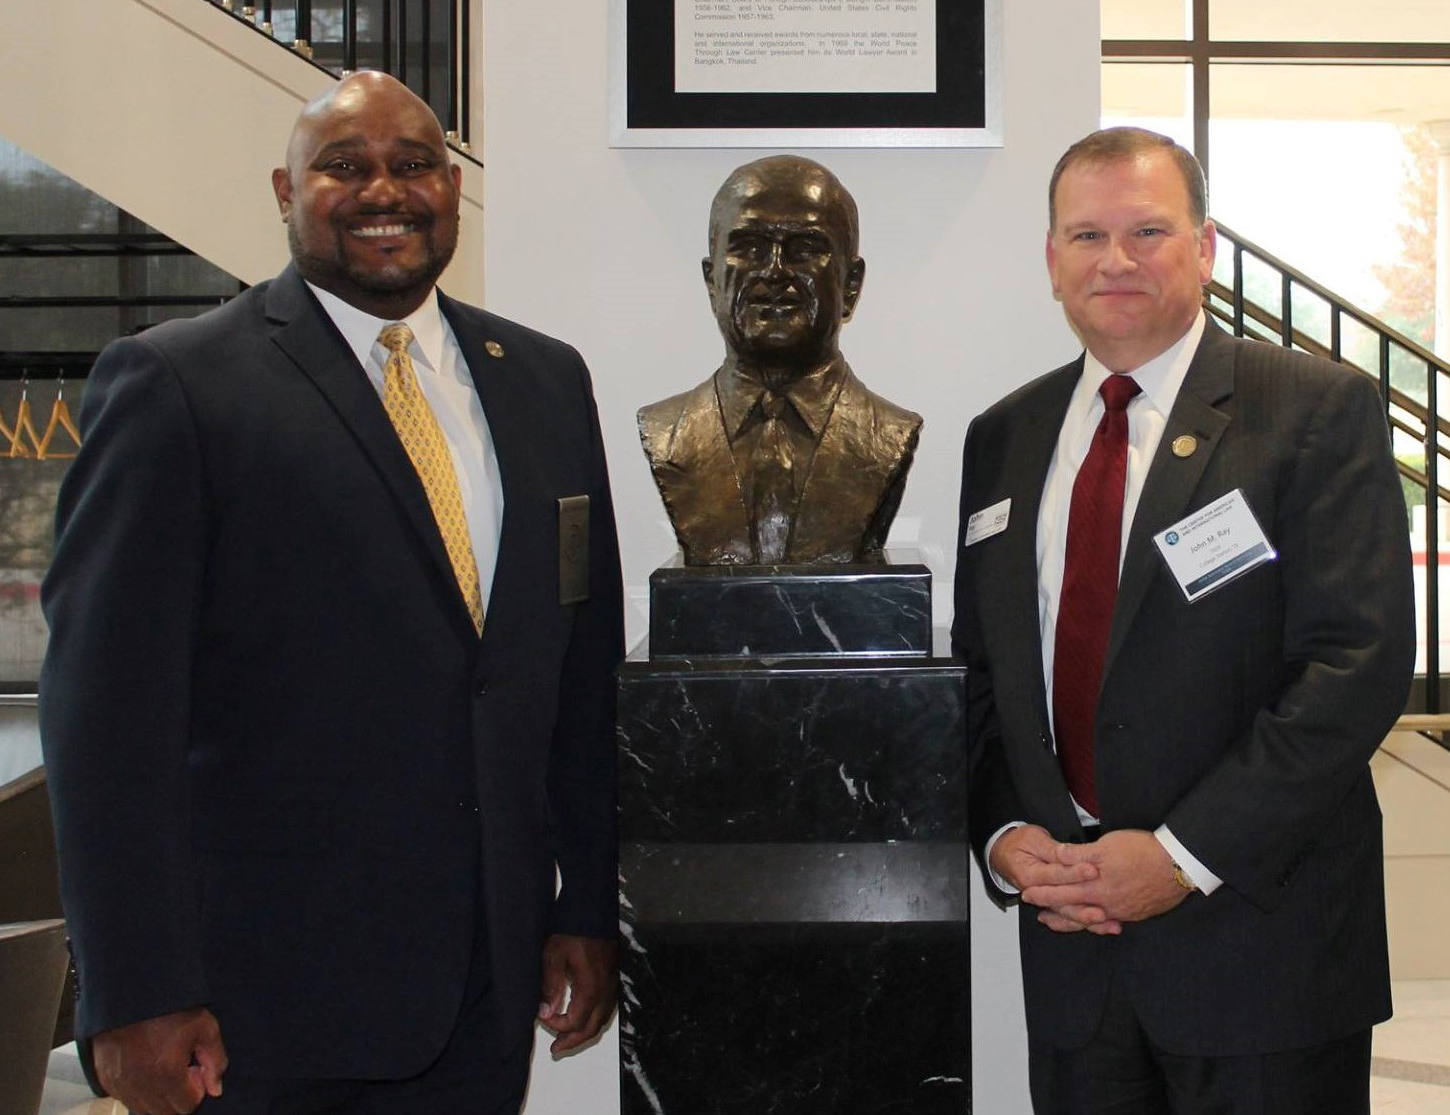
1209 548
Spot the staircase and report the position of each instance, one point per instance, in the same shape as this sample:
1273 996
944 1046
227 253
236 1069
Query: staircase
175 111
1257 295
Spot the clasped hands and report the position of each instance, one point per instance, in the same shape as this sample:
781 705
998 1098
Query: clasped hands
1124 876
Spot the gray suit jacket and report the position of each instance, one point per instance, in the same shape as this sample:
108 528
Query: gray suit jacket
1245 721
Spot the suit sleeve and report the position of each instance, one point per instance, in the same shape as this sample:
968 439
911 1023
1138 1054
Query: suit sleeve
582 793
121 598
992 799
1348 651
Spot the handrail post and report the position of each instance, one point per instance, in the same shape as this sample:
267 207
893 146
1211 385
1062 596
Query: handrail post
1238 289
426 41
465 70
1286 310
349 36
453 70
1432 544
302 33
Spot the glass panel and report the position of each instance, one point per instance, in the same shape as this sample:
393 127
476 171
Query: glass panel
1319 21
37 343
1150 95
1323 167
1145 19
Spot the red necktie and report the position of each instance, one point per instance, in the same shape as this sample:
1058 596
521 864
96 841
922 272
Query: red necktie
1089 590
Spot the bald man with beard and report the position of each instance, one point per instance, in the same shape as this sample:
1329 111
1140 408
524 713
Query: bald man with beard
322 715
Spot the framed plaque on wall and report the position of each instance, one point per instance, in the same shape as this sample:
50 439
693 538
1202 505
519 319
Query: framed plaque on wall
805 73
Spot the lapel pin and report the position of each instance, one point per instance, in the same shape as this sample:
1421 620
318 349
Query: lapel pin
1185 445
494 349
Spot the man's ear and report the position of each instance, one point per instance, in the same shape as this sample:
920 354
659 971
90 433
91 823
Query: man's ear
282 187
855 276
1050 253
707 268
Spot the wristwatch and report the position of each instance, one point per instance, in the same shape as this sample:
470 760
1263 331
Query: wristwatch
1181 878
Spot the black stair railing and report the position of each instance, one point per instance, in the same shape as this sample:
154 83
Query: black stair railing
1260 296
423 43
138 298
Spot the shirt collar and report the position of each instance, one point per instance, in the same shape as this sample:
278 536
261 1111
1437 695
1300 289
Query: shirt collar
811 396
1160 379
360 329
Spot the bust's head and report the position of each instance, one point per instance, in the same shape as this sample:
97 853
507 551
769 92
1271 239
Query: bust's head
783 273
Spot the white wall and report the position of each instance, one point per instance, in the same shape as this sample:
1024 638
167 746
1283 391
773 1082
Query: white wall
602 247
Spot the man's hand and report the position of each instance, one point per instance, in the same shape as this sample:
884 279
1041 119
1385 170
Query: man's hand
1134 878
1037 865
162 1066
587 969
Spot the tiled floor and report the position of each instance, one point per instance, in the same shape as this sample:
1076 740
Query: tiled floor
1411 1051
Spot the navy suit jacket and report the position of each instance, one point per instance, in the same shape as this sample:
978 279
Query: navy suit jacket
287 774
1245 721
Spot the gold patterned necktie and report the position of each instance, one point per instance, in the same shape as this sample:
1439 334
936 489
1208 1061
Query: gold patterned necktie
421 436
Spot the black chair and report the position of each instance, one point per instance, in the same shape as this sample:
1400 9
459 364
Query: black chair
33 963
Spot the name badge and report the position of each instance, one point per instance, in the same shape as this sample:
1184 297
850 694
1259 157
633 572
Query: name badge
987 522
1214 545
573 549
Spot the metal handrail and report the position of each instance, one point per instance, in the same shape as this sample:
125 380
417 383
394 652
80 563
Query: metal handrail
70 247
1403 412
405 46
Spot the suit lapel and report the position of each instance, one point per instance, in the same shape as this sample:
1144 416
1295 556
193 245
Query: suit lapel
496 379
1172 480
493 380
305 334
839 522
701 484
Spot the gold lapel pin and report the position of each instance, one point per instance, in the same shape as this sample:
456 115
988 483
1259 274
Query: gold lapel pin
494 349
1185 445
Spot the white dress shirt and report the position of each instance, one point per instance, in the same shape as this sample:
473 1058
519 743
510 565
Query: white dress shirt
1148 411
444 378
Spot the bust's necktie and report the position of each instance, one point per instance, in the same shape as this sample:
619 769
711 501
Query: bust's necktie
773 481
423 440
1090 590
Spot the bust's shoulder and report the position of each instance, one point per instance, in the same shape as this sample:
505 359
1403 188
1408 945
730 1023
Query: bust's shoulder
884 414
666 413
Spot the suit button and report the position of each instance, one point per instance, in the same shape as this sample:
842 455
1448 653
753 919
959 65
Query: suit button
480 687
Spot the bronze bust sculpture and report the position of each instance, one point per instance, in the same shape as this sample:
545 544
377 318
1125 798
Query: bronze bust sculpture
782 456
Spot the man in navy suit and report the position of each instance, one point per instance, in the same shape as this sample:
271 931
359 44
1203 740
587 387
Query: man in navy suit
314 772
1170 751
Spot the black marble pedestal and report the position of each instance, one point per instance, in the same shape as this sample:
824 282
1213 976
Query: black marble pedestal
790 611
793 873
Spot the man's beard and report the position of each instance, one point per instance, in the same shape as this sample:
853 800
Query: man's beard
338 269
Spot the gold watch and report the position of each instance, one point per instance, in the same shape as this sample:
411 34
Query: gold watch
1181 878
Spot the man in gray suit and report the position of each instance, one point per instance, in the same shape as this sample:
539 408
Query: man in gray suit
1183 592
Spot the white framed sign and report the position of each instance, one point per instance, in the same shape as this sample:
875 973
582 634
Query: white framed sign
805 73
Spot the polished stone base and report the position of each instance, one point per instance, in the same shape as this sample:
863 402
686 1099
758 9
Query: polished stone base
787 1019
793 872
780 611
